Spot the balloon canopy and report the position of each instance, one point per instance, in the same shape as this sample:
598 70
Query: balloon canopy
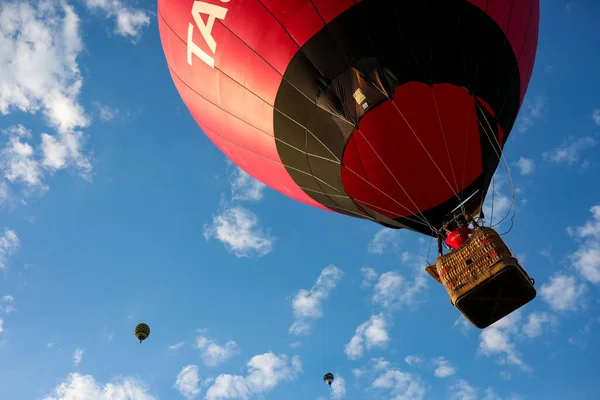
142 331
389 110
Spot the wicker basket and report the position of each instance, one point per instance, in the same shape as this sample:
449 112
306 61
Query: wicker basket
483 279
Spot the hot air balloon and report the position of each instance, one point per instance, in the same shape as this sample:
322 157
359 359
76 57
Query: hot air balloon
392 111
142 331
328 378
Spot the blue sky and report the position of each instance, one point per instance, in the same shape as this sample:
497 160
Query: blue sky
116 209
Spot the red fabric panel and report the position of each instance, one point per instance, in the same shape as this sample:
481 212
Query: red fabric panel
527 58
239 122
299 18
500 11
397 148
329 9
522 30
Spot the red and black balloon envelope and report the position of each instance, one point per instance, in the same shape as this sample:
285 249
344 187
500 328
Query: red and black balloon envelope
395 111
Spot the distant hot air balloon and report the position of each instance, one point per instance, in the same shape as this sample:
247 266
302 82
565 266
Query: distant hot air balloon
142 331
328 378
392 111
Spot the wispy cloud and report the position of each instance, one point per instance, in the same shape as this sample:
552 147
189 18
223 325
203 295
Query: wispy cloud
212 353
413 360
129 22
596 116
105 112
570 152
380 363
462 390
265 372
370 334
536 323
586 259
187 382
176 346
498 201
7 304
18 162
563 292
307 304
78 386
9 244
369 277
533 110
384 238
395 291
579 338
443 367
244 187
495 340
463 324
77 357
237 228
400 385
108 333
526 165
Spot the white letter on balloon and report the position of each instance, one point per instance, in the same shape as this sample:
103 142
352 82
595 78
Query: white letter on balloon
213 12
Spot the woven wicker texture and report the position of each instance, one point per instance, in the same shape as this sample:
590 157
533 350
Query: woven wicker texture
483 255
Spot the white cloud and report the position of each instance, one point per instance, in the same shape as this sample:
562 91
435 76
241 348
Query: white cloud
570 152
176 346
46 36
105 112
370 334
443 367
244 187
78 386
77 357
383 238
236 228
536 322
401 385
7 304
393 290
462 390
307 304
129 21
1 325
19 165
214 354
380 363
265 372
596 116
413 360
357 372
464 324
187 382
369 276
586 259
338 387
9 244
531 112
563 292
526 165
495 340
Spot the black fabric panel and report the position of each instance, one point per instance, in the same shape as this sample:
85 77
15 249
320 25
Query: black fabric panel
382 44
